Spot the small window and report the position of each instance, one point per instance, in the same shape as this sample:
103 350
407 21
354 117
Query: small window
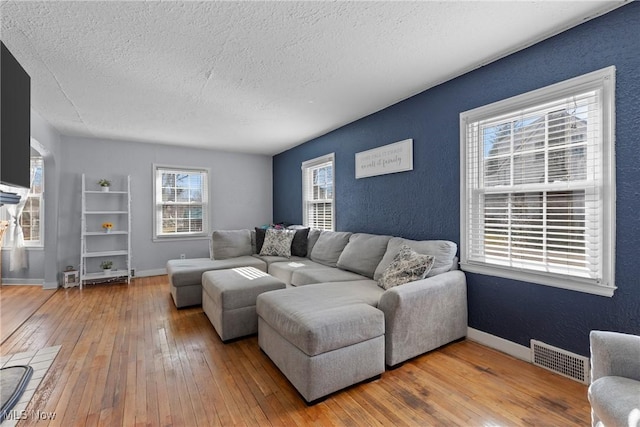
32 216
181 202
538 188
318 208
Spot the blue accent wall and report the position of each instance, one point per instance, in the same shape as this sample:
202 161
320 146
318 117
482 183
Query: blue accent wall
425 203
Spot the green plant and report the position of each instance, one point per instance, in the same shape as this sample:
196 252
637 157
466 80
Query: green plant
104 182
106 265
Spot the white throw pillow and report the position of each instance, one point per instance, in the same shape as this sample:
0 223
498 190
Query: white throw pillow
407 266
277 243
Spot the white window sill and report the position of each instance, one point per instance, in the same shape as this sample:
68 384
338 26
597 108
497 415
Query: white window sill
28 248
552 280
177 238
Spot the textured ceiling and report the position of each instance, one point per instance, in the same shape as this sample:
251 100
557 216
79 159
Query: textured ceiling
255 77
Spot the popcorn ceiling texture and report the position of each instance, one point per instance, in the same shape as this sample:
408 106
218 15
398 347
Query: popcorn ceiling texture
256 77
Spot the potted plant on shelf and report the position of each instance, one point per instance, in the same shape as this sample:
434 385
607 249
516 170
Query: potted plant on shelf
107 227
106 266
104 184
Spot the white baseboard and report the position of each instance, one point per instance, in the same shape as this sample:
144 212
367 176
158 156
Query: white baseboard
148 273
500 344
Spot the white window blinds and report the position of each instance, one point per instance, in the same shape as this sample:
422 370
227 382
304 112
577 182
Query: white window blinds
318 193
537 186
181 202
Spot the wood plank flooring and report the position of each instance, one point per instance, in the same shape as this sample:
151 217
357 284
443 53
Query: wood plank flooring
17 304
128 357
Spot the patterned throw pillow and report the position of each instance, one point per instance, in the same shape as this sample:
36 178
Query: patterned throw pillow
407 266
277 242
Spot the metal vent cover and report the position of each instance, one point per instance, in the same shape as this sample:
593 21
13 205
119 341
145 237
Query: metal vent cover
560 361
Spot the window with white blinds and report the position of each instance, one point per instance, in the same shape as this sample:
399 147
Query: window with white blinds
318 207
32 216
538 186
181 202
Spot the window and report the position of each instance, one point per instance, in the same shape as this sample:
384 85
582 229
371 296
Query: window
538 187
31 218
181 202
318 208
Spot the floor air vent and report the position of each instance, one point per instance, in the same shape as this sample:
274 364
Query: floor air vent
560 361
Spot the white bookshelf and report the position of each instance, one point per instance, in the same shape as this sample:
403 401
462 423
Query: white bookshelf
96 244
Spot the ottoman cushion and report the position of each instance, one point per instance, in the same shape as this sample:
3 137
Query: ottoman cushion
321 318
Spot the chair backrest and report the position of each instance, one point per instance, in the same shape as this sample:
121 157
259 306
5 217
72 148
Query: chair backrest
614 354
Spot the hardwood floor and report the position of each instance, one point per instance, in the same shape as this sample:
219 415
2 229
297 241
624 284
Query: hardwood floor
17 304
128 357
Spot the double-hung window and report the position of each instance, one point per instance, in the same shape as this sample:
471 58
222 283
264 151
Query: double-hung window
181 202
32 215
318 207
538 186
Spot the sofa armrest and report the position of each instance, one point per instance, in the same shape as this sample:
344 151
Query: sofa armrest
423 315
614 354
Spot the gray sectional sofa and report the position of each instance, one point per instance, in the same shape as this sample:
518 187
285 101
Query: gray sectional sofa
332 312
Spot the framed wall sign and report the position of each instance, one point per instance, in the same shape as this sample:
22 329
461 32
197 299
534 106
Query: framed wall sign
391 158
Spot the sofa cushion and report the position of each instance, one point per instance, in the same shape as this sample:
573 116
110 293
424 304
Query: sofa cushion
312 238
363 253
443 252
277 243
230 243
329 246
270 259
310 276
283 268
407 266
614 398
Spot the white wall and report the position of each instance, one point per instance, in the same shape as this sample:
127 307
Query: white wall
240 194
42 262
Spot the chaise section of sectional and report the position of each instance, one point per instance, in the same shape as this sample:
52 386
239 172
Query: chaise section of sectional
323 337
185 275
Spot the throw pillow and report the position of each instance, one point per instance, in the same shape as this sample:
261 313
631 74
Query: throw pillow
299 244
407 266
277 243
260 233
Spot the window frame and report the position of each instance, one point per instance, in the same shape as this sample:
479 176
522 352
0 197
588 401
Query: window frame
7 242
602 81
307 167
40 197
158 236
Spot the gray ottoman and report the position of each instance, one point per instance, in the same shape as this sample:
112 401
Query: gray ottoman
229 299
320 348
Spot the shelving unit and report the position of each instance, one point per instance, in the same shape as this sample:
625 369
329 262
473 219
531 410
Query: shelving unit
96 245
